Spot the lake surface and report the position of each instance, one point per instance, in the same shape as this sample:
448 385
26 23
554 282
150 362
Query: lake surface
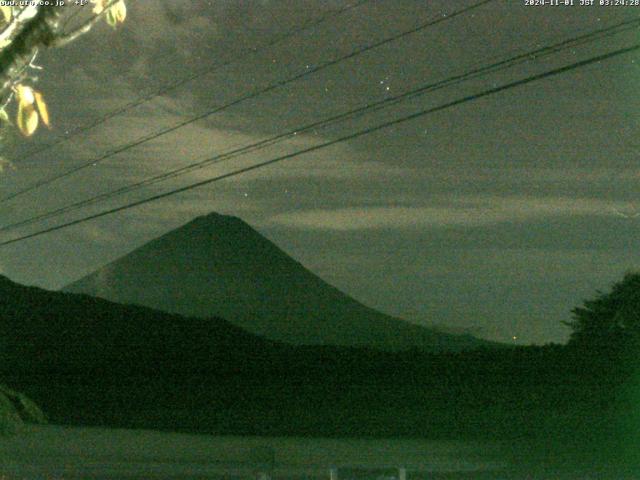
54 452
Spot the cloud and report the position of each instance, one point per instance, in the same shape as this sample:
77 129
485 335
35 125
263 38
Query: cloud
466 211
326 166
204 139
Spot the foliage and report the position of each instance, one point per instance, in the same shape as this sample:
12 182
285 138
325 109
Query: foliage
88 361
31 108
24 31
610 321
15 409
115 14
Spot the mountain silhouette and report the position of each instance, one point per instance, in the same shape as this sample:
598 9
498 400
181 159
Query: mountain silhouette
41 330
217 265
86 360
90 361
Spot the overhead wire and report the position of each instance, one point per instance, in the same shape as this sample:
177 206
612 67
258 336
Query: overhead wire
147 138
353 113
344 138
194 76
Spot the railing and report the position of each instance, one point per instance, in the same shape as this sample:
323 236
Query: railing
338 473
265 457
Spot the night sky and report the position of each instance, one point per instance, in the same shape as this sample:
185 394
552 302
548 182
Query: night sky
494 217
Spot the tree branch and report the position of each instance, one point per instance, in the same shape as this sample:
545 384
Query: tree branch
37 32
13 28
64 39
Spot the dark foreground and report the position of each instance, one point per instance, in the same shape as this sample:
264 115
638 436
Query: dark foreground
88 362
533 412
93 453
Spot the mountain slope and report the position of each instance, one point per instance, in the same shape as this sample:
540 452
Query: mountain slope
89 361
218 265
44 331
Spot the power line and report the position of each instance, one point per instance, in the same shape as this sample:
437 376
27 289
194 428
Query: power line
183 81
360 133
254 94
354 113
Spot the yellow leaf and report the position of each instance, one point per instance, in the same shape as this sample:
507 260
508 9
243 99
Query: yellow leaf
24 95
111 19
42 108
27 119
117 14
120 11
6 13
98 6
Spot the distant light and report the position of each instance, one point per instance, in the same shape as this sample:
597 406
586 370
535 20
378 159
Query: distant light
515 338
